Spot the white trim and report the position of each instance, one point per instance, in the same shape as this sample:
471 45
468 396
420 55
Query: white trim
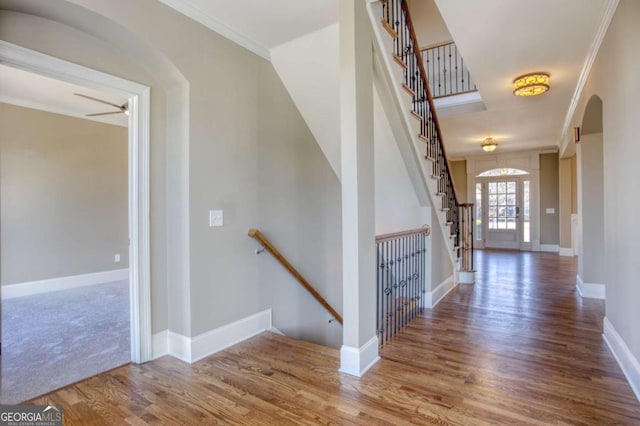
192 349
221 338
550 248
590 290
54 110
535 245
566 251
179 346
607 15
621 352
189 9
357 361
433 297
160 344
457 100
63 283
276 331
138 97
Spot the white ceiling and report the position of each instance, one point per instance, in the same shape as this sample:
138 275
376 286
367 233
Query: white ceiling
503 39
35 91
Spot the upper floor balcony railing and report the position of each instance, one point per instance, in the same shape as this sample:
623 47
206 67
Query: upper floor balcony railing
446 71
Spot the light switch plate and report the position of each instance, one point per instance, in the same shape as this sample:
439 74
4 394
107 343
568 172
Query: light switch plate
551 210
215 218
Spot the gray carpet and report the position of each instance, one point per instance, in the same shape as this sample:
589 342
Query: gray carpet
55 339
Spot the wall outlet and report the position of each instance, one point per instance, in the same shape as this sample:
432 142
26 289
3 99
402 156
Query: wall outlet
116 258
215 218
551 210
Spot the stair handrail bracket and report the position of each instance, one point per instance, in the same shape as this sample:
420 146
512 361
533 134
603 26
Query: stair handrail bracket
396 19
268 246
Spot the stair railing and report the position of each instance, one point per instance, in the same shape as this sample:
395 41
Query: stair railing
446 71
397 21
400 279
254 233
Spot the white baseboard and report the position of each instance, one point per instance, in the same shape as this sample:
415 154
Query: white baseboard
621 352
550 248
160 344
535 245
221 338
276 331
432 298
356 361
63 283
179 346
564 251
590 290
192 349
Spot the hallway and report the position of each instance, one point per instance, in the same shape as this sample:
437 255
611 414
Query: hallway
518 347
520 344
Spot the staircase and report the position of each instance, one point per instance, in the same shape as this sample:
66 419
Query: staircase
398 45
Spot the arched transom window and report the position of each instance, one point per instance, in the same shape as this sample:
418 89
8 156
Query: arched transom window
506 171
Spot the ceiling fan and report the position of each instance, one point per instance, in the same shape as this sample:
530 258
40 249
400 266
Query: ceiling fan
122 109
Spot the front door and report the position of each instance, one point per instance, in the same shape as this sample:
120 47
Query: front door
502 214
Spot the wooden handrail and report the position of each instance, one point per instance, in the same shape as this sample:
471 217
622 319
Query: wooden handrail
426 230
416 51
254 233
436 45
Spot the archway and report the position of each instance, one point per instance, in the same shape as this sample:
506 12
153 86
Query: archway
590 279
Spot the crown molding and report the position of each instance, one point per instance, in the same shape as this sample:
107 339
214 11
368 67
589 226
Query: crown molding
607 16
188 9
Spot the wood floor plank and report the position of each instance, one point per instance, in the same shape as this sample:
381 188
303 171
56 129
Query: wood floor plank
519 347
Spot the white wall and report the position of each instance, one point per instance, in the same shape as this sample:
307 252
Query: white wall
309 68
397 206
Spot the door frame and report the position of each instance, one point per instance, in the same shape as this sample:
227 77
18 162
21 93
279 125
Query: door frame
138 96
520 179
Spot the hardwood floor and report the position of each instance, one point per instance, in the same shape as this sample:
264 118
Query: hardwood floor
518 347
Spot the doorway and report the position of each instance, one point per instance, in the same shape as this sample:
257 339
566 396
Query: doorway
503 200
138 99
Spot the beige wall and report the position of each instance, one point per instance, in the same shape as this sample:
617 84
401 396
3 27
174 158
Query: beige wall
614 79
459 172
549 198
300 211
565 187
591 209
574 185
63 189
211 102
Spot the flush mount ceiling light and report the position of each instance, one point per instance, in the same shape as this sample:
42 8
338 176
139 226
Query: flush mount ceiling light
489 145
531 84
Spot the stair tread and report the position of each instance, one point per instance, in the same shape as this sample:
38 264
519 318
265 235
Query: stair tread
408 89
399 61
